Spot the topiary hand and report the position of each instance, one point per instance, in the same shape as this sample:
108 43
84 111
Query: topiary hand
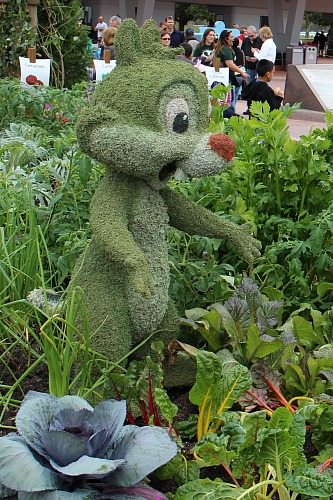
242 238
139 276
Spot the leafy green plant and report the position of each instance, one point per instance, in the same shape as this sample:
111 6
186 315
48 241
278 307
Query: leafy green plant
248 441
283 187
219 383
266 391
197 276
42 330
244 321
307 361
218 97
142 386
46 186
68 446
22 248
47 107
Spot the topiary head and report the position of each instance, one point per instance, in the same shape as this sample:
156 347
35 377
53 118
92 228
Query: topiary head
150 113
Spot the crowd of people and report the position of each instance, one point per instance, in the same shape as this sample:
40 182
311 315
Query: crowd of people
250 57
105 36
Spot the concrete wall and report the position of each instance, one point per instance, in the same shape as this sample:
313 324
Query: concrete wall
241 12
108 8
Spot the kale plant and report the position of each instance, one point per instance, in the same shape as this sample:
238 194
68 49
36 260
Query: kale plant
247 306
66 448
245 321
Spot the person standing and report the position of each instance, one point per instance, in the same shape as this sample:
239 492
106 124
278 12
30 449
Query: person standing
100 27
165 39
251 41
190 38
226 54
243 33
108 42
268 48
187 56
115 22
322 39
240 63
176 36
205 48
162 26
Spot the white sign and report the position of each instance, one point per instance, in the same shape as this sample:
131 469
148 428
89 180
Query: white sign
35 74
102 68
213 76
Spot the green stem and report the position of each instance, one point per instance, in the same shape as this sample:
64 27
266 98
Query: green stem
304 193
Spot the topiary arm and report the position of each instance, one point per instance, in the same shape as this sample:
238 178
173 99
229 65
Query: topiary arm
110 228
194 219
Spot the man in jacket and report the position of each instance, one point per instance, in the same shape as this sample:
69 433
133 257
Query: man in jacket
176 36
251 41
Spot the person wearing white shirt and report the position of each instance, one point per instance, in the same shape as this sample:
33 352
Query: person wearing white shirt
268 48
100 27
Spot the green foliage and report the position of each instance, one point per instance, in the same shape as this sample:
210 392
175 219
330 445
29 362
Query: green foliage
141 385
192 12
243 322
218 385
64 41
16 35
283 187
197 275
46 185
248 441
218 124
51 109
315 18
307 360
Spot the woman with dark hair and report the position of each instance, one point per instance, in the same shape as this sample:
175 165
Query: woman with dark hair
165 38
226 54
205 48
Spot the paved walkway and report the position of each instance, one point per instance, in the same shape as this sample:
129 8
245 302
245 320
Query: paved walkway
302 120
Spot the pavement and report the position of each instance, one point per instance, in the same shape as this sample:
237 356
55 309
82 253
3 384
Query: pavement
301 121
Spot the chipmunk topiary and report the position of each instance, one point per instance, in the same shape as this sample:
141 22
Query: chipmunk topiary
147 122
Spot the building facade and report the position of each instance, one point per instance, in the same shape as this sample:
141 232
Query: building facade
283 16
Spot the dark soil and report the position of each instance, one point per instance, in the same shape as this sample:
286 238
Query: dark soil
12 369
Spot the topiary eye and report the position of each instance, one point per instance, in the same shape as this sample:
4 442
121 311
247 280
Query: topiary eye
180 123
177 115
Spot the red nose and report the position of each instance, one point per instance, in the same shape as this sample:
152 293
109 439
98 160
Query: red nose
222 145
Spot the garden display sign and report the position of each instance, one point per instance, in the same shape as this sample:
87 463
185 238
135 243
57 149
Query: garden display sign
103 68
35 73
214 77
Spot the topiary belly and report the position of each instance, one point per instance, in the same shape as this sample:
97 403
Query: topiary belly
149 227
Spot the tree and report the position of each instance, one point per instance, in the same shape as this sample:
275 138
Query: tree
63 40
16 35
315 18
192 12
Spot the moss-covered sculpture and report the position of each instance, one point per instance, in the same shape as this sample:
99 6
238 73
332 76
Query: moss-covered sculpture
148 121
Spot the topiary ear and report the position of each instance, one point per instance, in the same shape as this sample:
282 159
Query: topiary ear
127 43
150 37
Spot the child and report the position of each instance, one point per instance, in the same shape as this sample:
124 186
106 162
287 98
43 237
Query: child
259 90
